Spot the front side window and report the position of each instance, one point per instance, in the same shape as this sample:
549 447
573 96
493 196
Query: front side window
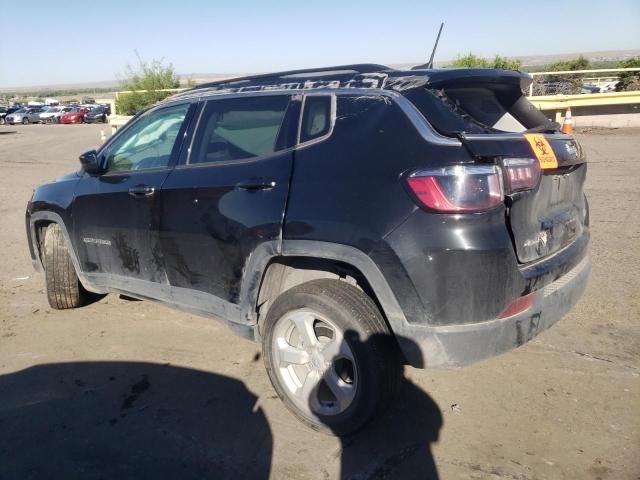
148 142
240 128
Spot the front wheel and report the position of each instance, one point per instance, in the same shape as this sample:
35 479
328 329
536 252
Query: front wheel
330 355
64 289
2 121
25 121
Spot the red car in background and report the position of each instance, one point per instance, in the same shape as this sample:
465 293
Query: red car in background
75 115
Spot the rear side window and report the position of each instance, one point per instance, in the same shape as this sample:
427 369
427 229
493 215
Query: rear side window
316 117
240 128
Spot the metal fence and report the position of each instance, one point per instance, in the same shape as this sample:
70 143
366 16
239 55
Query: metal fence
575 82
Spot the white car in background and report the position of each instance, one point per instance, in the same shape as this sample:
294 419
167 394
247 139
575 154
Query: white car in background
601 87
53 114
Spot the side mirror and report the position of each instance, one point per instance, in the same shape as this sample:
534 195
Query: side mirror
89 162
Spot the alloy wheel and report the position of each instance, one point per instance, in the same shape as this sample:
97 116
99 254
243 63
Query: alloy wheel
314 363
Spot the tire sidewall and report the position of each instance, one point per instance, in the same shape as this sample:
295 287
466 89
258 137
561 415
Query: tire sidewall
367 361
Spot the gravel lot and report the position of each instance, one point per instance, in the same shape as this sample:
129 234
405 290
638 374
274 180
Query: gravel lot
129 389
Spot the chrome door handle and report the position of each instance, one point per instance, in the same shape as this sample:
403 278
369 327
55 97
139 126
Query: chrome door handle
142 191
256 184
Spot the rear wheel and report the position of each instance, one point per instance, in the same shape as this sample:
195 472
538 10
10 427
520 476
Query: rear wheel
63 287
330 356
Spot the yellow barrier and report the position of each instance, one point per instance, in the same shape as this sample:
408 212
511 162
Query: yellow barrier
560 103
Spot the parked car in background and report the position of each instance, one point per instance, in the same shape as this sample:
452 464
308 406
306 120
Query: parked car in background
51 114
598 87
588 88
75 115
25 116
97 115
107 107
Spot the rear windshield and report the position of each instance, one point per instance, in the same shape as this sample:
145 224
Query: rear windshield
477 109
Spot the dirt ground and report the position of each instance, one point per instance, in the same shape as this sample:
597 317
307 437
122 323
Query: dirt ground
130 389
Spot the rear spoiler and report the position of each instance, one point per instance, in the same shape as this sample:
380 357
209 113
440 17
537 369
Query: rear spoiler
473 76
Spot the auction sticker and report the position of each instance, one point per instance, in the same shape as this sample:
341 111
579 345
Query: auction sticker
542 150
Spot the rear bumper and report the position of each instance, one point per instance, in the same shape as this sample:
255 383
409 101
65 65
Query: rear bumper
456 345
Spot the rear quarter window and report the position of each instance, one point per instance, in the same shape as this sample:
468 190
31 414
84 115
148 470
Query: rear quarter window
316 117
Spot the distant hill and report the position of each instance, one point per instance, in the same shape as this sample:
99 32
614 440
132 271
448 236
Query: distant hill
533 61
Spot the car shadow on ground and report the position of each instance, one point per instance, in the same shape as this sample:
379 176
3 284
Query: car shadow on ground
396 444
128 420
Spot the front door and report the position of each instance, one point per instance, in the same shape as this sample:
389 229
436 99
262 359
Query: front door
229 195
116 214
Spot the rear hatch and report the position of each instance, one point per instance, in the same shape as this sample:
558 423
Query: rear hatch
550 216
488 112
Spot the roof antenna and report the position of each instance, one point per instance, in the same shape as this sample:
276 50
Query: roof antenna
429 64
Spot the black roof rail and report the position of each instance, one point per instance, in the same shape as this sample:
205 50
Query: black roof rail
315 73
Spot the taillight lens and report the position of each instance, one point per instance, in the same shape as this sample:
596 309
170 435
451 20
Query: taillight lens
521 173
458 188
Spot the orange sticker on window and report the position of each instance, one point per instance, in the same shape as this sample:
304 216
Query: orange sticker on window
542 150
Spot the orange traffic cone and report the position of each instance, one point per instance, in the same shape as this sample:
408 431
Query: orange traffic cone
567 125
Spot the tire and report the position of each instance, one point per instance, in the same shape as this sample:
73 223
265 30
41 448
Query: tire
63 287
2 121
360 355
25 121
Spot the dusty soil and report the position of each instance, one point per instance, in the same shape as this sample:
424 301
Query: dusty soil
129 389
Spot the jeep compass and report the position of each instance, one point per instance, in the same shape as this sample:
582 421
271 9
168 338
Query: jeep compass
351 219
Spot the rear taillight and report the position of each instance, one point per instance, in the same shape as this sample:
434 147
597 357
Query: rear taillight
521 173
458 188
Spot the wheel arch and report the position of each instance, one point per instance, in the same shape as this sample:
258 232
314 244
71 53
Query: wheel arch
38 223
269 272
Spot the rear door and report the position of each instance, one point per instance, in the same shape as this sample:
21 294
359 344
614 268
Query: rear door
229 193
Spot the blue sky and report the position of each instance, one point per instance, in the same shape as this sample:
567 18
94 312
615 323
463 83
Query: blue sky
53 42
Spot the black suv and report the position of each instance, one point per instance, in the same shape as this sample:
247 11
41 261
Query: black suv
352 219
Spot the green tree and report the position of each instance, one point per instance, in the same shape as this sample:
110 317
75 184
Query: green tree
504 63
145 83
629 80
580 63
471 60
